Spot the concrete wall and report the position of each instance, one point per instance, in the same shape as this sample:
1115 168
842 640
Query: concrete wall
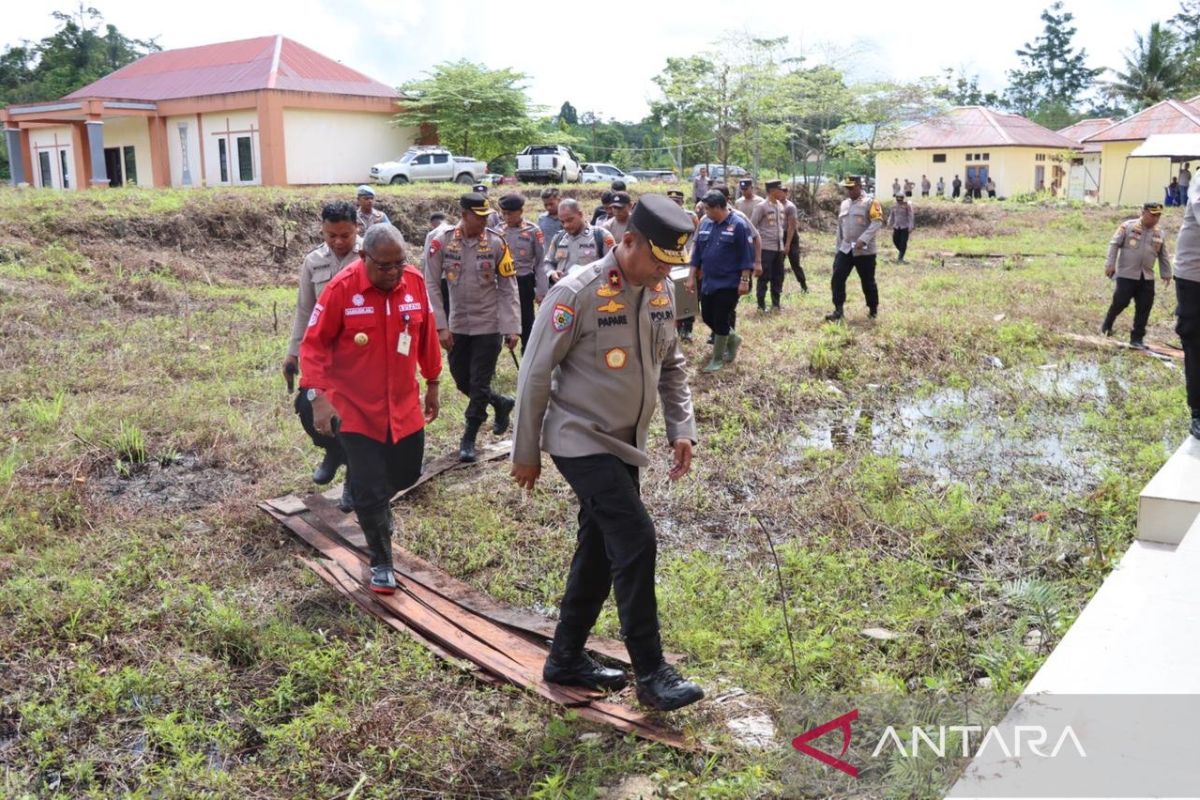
1012 168
238 124
1145 178
55 141
183 150
132 132
339 146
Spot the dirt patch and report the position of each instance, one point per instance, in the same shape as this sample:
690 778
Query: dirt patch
182 483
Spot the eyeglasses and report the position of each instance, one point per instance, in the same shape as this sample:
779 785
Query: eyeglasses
389 267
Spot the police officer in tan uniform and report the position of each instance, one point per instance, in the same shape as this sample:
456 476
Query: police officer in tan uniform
578 243
524 241
859 219
1134 248
770 219
602 347
368 214
339 229
484 312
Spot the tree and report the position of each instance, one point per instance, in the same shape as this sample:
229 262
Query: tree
685 109
960 89
1186 24
1154 69
882 109
568 114
1053 74
476 111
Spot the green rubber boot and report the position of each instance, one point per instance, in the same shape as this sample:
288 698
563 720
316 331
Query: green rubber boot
720 344
731 347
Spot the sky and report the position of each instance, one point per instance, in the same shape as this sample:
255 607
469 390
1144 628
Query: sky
573 52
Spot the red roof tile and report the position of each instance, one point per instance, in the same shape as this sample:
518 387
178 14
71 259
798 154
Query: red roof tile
976 126
1085 128
266 62
1169 116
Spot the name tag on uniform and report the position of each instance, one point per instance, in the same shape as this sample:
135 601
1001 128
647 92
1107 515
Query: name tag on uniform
403 343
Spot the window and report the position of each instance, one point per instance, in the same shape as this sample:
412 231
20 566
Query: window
1040 157
939 158
62 157
441 158
245 159
223 157
44 168
130 158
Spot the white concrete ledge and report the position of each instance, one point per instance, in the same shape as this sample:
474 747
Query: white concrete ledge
1170 503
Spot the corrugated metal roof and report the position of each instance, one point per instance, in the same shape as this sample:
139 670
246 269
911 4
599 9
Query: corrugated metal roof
246 65
1169 116
976 126
1085 128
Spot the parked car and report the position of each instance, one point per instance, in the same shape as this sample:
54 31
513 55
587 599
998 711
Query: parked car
717 173
548 163
429 164
656 175
605 173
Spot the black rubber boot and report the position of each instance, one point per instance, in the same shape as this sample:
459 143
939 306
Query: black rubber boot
377 527
327 469
504 407
873 312
835 315
466 447
346 502
569 665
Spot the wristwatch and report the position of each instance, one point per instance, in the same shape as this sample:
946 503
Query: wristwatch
312 394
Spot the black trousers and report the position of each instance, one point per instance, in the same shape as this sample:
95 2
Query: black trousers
772 275
1187 325
843 265
472 365
526 289
793 255
380 469
1141 292
305 412
615 548
717 310
956 191
900 239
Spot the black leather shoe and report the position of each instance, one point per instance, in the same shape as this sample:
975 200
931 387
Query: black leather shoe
834 316
466 447
873 313
1137 344
1196 427
1105 330
327 469
504 407
583 671
665 690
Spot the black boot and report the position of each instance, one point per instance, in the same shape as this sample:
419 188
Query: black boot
569 665
504 407
346 503
377 527
835 315
1137 343
666 690
327 469
873 312
466 448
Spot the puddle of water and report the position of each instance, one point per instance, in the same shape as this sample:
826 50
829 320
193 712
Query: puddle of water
956 434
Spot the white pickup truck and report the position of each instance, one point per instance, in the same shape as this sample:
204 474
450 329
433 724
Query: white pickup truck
429 164
549 163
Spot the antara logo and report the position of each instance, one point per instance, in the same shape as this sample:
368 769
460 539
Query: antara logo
841 723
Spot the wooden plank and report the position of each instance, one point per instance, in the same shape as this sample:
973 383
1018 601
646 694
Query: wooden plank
1156 349
441 465
289 504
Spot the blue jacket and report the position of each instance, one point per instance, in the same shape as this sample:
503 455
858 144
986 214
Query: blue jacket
723 250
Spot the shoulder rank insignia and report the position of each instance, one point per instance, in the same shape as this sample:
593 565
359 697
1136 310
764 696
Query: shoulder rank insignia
614 278
611 307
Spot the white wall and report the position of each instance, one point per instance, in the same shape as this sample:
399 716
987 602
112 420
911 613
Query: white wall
175 150
339 146
58 139
238 123
133 132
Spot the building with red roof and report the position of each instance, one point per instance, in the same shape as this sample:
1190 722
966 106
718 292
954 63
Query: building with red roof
263 111
1135 181
1083 178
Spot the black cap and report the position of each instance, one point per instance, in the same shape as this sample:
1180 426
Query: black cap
480 188
620 199
606 197
774 185
512 202
475 203
745 183
665 225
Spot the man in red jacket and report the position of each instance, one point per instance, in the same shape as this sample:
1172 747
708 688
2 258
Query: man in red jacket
369 332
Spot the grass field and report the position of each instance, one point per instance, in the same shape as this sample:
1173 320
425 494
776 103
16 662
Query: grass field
956 473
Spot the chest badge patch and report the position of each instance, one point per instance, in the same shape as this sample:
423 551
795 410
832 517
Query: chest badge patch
361 339
661 300
615 358
563 319
358 300
605 291
611 307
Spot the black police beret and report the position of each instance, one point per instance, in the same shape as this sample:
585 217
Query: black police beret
512 202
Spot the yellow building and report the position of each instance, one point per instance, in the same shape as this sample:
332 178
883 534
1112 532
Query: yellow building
1083 178
973 142
1133 181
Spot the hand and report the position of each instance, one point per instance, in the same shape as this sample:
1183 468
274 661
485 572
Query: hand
758 269
743 286
690 283
860 245
323 414
555 276
432 403
1167 281
1110 271
447 339
683 459
291 368
526 475
512 340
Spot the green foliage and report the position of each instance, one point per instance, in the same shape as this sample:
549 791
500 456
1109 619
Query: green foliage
1053 75
1155 70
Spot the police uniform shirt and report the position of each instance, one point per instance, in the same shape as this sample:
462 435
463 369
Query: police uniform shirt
901 216
746 205
318 270
1187 246
441 227
526 246
550 226
482 281
1133 251
615 227
858 221
791 218
567 251
599 349
367 220
767 217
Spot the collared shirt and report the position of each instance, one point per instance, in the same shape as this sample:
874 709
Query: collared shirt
599 352
550 226
1185 177
318 269
567 251
901 216
1133 251
525 242
615 227
925 185
367 220
746 205
353 351
768 218
858 221
1187 246
482 280
723 251
700 187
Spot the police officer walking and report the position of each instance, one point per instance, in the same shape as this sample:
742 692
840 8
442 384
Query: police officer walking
484 312
1134 248
598 353
902 220
1187 292
859 219
365 341
579 243
524 240
791 216
769 218
339 229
